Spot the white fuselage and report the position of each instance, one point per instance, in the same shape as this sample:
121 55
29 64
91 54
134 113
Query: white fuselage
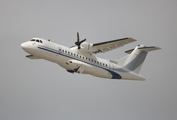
75 60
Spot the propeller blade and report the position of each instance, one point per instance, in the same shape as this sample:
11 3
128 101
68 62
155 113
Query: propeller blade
83 40
78 42
78 37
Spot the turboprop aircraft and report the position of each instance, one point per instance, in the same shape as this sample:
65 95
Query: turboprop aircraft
81 58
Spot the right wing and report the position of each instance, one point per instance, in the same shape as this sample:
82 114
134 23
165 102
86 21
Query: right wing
111 45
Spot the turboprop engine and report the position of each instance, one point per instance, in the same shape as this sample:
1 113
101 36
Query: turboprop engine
87 47
79 67
84 46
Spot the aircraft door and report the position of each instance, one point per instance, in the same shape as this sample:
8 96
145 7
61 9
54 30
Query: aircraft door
111 66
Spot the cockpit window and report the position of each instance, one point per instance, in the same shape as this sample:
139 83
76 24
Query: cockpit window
36 40
32 40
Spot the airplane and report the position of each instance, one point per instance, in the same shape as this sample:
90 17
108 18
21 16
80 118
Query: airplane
81 58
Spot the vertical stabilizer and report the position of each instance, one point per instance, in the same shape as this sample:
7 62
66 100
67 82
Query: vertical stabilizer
136 57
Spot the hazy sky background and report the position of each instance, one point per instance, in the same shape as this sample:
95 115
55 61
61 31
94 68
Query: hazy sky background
41 90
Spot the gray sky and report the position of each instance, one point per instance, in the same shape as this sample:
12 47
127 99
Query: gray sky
41 90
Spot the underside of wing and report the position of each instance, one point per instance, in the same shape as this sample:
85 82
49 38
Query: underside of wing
111 45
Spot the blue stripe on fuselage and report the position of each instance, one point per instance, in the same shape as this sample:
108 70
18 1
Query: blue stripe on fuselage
114 74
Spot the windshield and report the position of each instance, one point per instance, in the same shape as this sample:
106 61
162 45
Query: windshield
40 41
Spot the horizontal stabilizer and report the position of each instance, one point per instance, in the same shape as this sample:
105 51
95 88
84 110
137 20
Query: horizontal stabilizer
32 57
144 48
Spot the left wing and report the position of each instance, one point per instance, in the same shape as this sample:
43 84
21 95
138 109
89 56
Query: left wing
32 57
110 45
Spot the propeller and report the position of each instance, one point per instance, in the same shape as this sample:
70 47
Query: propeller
78 43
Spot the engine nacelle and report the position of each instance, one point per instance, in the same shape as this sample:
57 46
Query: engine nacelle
79 67
87 47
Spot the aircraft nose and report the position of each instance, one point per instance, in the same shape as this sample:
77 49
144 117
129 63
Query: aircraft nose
24 45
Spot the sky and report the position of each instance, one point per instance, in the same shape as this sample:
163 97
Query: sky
41 90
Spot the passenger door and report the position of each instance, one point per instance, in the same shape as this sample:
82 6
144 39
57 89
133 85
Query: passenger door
111 66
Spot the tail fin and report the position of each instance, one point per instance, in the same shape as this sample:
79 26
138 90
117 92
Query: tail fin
136 57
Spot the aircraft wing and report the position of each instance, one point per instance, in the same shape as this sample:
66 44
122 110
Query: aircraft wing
31 57
111 45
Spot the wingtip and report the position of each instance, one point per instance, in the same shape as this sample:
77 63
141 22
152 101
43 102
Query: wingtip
158 47
132 39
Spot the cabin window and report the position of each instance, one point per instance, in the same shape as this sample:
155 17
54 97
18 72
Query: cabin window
62 50
97 62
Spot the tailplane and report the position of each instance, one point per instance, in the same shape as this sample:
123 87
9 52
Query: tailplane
136 57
